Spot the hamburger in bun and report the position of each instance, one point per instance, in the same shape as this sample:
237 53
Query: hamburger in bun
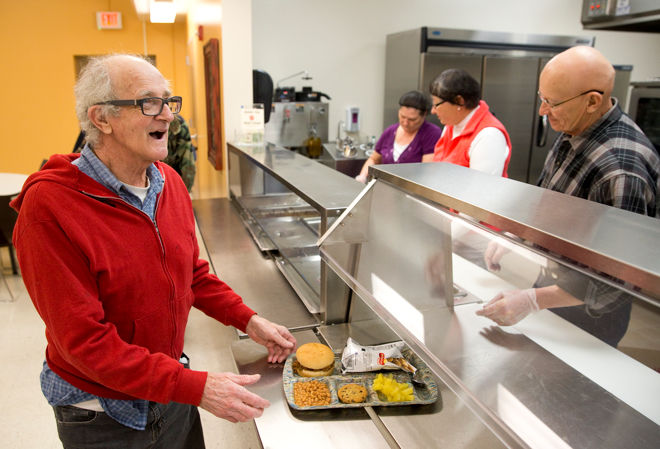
314 360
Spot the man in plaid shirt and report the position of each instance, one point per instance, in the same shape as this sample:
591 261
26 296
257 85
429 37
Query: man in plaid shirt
601 155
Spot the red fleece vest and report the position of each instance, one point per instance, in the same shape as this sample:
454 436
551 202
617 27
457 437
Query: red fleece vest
456 151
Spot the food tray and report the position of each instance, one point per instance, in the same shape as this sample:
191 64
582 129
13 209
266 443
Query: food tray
427 394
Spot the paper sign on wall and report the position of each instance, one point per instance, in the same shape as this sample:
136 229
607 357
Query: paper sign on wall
252 124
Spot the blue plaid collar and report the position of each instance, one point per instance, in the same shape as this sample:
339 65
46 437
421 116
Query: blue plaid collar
92 166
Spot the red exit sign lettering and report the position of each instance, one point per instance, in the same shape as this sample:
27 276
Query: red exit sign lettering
108 20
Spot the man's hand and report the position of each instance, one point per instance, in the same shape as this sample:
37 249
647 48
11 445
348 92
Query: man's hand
276 338
507 308
225 397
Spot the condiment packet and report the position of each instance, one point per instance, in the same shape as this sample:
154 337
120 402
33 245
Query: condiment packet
357 358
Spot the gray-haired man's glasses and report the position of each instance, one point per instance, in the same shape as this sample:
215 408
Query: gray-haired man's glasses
150 106
559 103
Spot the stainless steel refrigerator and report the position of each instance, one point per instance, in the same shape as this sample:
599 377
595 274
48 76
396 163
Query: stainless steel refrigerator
507 67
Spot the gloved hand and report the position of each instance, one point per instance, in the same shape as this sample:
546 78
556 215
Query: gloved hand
361 178
493 255
507 308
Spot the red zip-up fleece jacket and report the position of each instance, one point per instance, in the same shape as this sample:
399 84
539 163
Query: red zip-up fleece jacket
113 289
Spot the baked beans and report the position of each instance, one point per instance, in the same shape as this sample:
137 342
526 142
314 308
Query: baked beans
309 393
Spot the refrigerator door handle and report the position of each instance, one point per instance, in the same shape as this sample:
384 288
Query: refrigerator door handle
542 131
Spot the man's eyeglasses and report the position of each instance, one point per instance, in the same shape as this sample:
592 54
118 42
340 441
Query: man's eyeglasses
150 106
554 105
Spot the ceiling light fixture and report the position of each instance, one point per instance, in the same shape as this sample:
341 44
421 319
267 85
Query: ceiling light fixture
161 11
141 8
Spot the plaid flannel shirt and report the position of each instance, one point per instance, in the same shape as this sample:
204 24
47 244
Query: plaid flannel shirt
612 163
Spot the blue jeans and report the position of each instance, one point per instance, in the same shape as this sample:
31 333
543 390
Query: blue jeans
171 426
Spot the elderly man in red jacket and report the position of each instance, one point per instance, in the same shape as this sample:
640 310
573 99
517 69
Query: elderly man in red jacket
107 247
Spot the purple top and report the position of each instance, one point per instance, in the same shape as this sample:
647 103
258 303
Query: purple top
423 143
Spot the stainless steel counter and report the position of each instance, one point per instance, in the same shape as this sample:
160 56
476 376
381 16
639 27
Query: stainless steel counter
263 288
530 212
541 383
250 273
287 201
302 176
447 423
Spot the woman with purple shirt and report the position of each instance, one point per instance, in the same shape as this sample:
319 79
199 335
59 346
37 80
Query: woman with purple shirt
411 140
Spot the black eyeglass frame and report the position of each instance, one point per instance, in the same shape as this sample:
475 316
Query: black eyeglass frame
140 102
439 103
552 106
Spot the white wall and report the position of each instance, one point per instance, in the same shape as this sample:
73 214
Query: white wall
236 62
342 42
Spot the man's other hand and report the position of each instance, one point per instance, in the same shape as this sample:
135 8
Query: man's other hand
226 397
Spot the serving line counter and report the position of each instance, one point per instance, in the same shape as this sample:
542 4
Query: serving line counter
238 262
287 201
401 252
406 243
231 250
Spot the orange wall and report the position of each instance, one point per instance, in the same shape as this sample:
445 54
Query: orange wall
209 182
38 40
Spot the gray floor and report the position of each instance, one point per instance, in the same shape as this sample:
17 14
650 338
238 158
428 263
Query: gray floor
27 420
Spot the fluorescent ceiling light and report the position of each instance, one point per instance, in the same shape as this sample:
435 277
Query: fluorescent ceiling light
162 12
141 7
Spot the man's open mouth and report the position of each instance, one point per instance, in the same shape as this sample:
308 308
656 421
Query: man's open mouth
158 134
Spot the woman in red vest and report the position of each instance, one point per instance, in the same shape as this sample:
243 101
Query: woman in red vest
472 136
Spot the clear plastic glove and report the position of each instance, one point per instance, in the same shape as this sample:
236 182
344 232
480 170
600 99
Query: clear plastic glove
493 255
507 308
362 178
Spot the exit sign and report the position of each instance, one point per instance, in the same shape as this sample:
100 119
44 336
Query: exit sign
108 20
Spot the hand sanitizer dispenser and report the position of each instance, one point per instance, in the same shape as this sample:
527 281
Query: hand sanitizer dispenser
352 122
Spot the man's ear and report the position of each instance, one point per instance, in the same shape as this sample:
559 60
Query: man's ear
595 100
97 116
